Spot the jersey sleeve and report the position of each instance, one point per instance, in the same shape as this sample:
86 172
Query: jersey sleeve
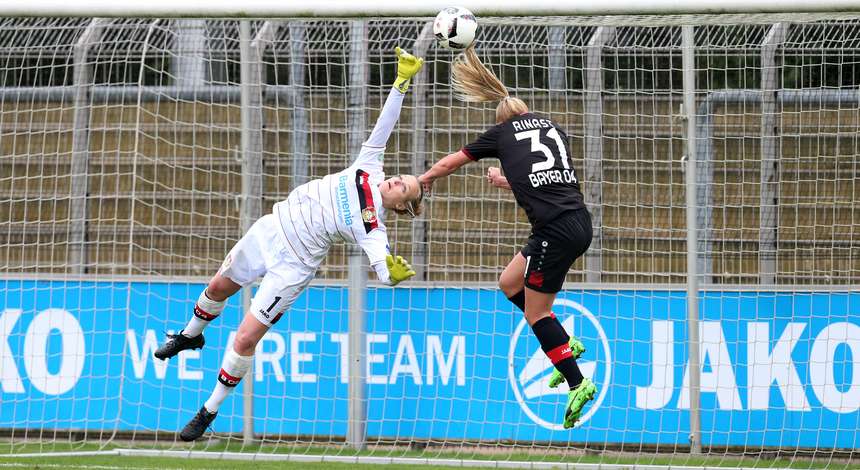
370 156
375 246
382 273
485 146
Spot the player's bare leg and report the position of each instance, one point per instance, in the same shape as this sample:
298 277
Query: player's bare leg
511 281
208 307
512 284
557 345
236 363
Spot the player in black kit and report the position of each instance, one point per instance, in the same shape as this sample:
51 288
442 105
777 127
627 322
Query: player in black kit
534 155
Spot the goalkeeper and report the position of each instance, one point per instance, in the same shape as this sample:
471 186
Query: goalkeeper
286 247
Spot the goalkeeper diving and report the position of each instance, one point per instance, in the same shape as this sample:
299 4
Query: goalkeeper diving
286 247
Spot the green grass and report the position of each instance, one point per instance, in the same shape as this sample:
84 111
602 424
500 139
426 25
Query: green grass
8 451
164 463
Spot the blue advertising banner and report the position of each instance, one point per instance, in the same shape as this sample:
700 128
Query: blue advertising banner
778 368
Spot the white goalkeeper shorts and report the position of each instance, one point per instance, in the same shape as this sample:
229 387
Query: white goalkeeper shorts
262 252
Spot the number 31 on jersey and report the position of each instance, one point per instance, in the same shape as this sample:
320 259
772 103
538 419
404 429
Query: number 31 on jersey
543 172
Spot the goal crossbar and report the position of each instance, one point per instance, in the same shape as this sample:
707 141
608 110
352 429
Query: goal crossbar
379 8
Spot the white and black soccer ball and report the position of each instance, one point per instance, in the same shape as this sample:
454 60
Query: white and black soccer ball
455 28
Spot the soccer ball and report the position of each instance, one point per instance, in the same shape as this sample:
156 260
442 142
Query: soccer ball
455 28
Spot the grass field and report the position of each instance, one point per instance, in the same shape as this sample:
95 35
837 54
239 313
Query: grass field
162 463
10 458
111 462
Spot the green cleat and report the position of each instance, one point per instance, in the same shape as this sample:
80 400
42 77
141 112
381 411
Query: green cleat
576 349
576 400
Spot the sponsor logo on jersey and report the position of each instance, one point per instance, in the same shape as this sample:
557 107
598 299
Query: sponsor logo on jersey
343 209
365 199
368 215
529 368
541 178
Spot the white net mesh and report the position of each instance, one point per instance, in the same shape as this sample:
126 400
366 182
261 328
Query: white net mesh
124 171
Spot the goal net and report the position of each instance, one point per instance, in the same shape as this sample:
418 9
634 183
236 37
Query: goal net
134 152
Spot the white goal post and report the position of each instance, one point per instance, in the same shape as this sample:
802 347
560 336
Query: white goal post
718 151
382 8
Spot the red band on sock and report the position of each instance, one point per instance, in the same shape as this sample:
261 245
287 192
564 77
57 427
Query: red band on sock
227 379
559 354
203 314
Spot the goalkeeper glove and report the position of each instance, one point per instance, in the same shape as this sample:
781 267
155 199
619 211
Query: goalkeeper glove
407 66
398 269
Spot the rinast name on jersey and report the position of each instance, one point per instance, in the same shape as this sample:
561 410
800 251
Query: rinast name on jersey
534 123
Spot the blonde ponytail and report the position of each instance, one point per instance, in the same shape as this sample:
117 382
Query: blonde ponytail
473 82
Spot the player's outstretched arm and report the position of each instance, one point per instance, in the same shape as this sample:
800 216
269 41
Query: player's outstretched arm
391 270
444 167
407 66
485 146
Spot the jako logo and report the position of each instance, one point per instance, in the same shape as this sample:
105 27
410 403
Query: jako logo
49 372
529 369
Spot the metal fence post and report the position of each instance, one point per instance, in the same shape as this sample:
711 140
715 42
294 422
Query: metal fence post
252 179
299 139
689 67
557 63
770 155
356 109
83 79
593 120
420 246
190 67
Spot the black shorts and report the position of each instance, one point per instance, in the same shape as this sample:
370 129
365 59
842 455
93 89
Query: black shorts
551 250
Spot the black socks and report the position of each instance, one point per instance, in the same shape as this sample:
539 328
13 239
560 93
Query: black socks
554 342
519 299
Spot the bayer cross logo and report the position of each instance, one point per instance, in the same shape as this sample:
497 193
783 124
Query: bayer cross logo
529 369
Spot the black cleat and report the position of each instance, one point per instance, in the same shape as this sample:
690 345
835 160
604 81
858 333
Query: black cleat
198 424
178 343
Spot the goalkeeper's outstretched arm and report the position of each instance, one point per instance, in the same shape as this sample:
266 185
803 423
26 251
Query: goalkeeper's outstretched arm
407 66
391 270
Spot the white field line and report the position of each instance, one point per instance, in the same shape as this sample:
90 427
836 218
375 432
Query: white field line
88 467
442 462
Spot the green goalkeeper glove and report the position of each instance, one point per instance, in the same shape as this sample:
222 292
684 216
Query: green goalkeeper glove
407 66
398 269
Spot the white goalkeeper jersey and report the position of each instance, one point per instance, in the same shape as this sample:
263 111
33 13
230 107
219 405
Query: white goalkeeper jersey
343 206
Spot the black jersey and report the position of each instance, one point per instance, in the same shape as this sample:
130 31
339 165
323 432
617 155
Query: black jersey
536 160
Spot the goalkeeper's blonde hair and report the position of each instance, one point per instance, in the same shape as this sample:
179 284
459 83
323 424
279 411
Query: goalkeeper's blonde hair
474 83
415 207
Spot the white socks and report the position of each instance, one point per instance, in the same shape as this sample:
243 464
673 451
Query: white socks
205 310
233 369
